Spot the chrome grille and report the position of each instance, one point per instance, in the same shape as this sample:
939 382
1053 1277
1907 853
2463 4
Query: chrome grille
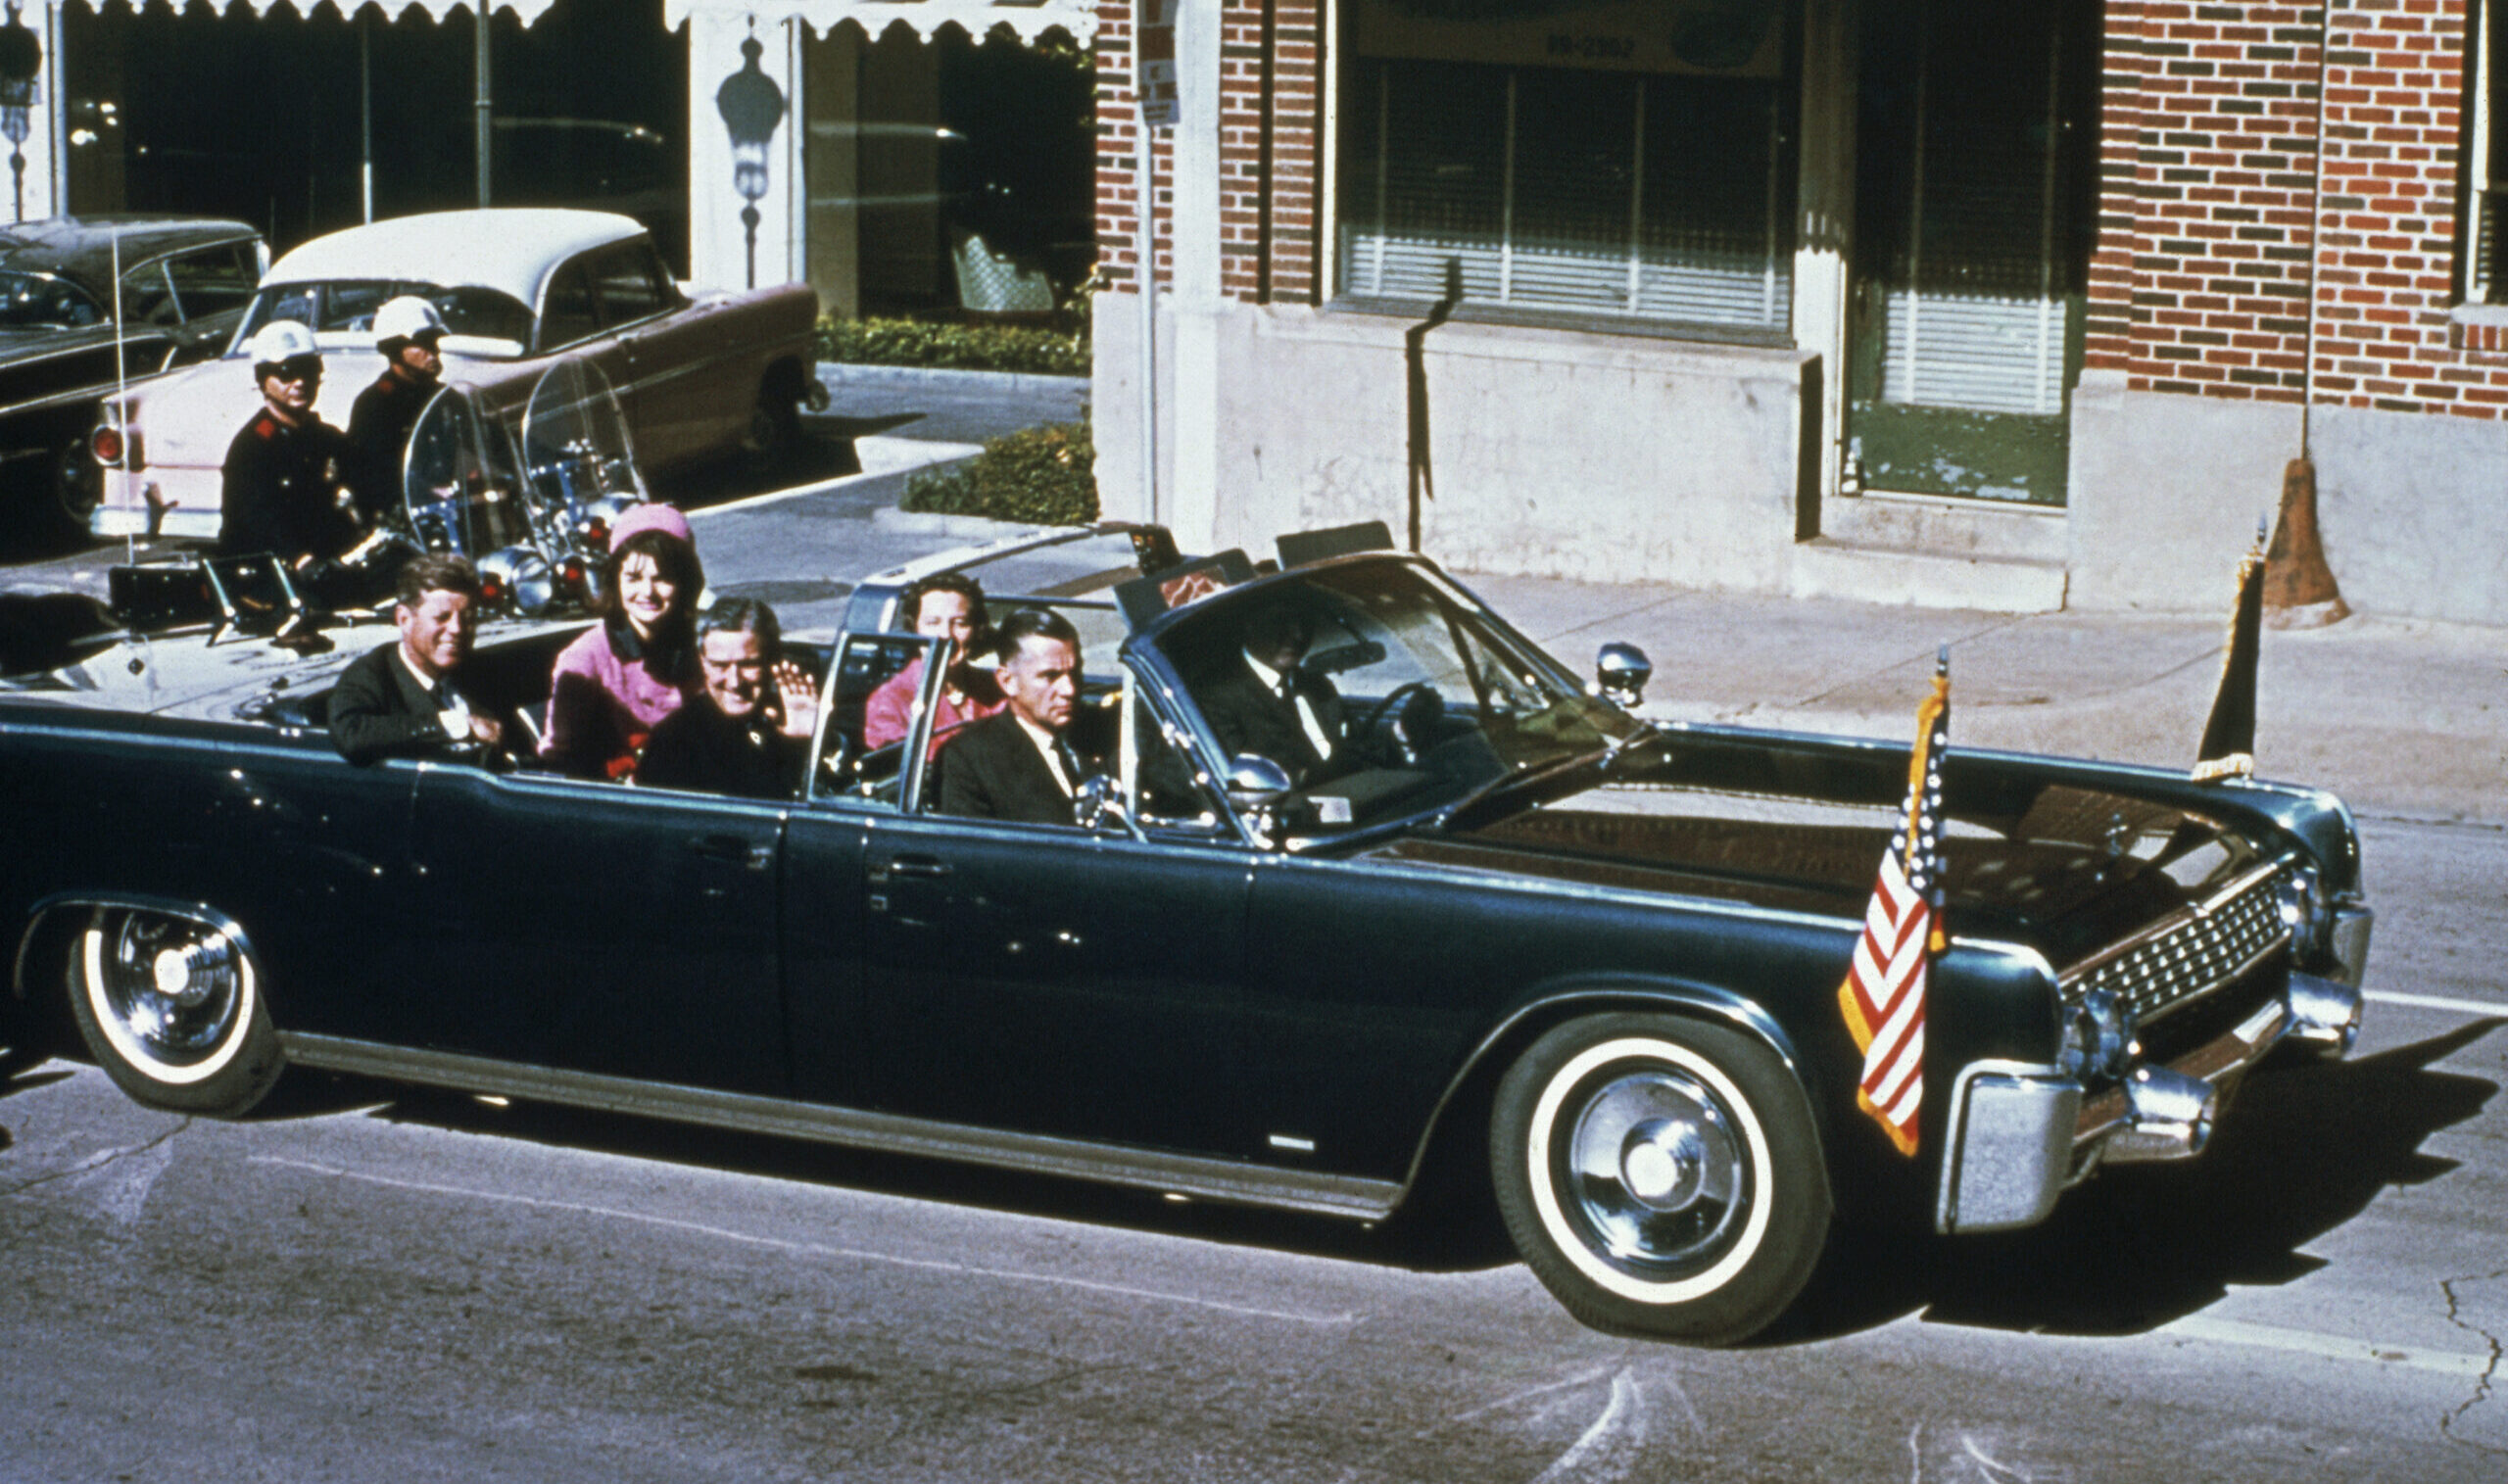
2190 952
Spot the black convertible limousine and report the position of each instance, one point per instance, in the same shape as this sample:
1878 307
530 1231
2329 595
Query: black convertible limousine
1519 930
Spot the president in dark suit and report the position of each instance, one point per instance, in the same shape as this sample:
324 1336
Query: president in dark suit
1260 703
406 700
1021 763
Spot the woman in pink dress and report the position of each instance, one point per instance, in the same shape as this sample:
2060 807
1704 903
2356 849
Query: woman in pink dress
638 664
945 605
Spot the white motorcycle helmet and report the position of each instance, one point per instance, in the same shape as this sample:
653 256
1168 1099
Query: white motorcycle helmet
281 341
406 318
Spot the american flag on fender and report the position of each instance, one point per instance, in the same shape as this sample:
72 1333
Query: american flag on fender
1883 996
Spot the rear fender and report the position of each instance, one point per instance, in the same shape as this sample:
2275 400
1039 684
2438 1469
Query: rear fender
69 904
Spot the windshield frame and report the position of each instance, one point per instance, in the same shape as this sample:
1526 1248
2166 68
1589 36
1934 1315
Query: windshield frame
1153 652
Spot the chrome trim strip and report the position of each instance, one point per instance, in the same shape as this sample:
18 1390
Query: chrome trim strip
2215 1061
1184 1175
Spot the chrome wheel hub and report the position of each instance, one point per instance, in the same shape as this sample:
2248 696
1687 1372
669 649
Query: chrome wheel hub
174 989
1656 1169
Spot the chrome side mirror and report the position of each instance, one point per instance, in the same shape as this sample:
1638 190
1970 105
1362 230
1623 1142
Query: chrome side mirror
1621 673
1255 782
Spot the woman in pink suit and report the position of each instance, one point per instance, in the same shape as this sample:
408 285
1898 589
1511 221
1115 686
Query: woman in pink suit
638 664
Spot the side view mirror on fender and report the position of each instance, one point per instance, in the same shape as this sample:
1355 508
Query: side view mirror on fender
1621 673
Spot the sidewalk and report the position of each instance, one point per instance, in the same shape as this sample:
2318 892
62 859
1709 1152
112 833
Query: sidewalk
2403 718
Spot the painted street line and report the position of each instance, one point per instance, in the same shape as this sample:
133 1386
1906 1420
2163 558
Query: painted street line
2332 1347
2475 1008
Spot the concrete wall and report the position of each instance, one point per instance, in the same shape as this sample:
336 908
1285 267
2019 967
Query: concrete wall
1601 458
2415 512
2166 490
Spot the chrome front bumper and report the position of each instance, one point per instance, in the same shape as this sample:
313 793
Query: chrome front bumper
2021 1133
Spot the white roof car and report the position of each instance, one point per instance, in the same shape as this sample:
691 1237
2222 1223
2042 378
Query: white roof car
521 290
511 249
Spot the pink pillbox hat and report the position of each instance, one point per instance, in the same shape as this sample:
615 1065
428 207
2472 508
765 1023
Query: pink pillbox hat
649 517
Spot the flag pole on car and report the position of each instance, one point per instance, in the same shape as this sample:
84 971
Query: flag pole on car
2227 748
1882 998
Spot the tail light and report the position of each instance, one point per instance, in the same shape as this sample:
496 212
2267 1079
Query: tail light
106 443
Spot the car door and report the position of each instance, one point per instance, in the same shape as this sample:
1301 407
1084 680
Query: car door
601 927
670 351
1048 978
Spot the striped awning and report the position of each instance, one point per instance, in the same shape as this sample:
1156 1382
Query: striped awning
1029 19
525 11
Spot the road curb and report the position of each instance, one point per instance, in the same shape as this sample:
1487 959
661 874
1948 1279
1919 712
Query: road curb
837 375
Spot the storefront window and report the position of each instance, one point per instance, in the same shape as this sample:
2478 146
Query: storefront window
1542 160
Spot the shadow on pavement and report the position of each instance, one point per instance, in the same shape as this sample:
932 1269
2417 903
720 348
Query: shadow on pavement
825 451
2300 1151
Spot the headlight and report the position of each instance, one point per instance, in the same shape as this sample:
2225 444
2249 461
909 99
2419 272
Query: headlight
2306 910
518 575
2098 1037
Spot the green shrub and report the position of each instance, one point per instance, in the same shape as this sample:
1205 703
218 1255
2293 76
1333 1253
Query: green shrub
1044 475
1035 349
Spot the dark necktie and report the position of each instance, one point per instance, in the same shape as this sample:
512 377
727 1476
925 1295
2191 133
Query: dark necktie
1070 770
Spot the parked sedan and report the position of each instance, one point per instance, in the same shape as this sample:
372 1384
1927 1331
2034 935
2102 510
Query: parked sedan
520 291
88 304
1505 928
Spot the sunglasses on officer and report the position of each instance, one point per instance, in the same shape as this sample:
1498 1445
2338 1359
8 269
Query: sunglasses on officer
295 368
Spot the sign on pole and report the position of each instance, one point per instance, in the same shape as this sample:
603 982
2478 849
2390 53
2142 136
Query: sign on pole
1154 57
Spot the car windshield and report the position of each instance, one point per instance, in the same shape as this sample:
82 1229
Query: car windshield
341 311
41 302
1389 690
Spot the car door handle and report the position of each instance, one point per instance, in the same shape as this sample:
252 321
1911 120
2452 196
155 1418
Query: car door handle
733 850
918 865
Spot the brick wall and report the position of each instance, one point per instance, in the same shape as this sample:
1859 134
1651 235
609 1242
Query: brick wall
1270 132
1119 159
2209 208
2394 87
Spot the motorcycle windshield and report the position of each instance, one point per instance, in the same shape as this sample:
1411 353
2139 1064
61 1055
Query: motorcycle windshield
576 449
460 486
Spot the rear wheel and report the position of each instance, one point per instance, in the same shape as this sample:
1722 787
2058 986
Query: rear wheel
774 438
1662 1176
74 486
173 1010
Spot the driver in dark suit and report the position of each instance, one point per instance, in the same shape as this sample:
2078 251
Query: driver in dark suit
1021 763
1260 703
406 700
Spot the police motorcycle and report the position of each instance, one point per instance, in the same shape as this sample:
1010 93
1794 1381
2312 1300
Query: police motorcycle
529 499
533 503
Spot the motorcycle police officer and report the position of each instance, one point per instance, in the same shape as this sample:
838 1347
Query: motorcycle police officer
284 469
408 331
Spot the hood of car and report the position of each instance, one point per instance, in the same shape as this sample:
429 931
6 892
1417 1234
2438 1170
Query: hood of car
2068 871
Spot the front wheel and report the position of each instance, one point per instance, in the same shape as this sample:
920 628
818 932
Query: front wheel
173 1010
1660 1177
